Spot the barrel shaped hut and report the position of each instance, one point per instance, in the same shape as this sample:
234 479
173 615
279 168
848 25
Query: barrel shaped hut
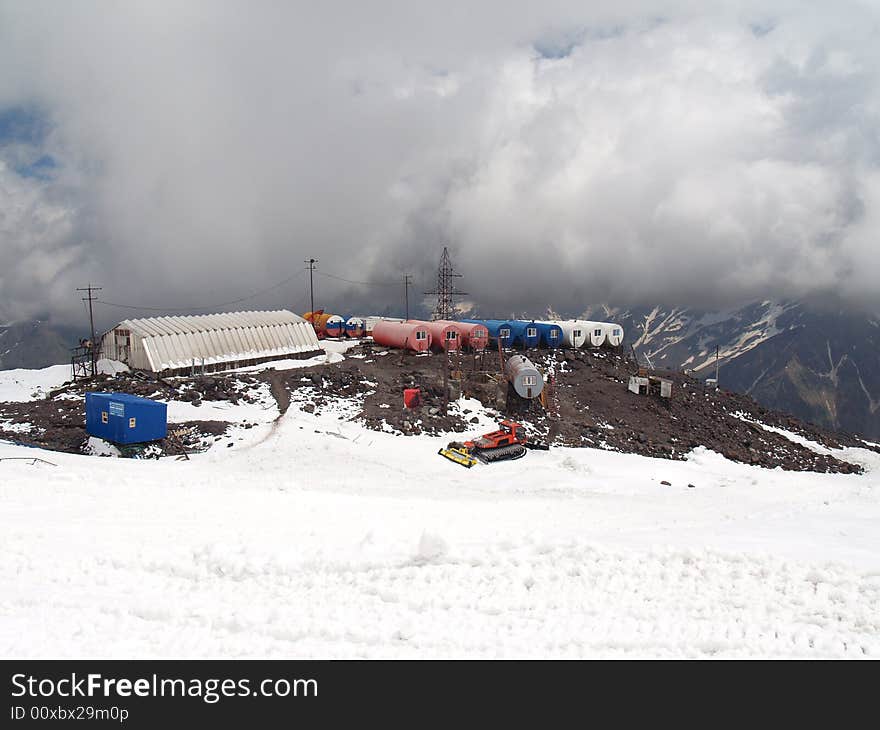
472 335
595 332
402 335
334 326
500 330
573 334
370 322
355 327
613 334
524 334
525 378
550 333
176 345
444 337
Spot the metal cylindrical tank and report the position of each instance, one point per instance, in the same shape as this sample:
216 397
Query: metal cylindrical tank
524 334
355 327
613 334
573 334
595 332
334 326
320 322
498 329
443 336
551 334
473 335
524 376
404 335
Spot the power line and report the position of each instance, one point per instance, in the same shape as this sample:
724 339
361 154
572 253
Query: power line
352 281
211 306
309 267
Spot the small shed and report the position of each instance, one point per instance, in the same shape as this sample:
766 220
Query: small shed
125 419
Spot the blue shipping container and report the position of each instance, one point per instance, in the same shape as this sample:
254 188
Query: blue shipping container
125 419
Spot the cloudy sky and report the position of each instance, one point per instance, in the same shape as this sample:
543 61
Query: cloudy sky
187 154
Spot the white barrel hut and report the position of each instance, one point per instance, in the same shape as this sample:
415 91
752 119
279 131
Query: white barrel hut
594 331
574 334
613 334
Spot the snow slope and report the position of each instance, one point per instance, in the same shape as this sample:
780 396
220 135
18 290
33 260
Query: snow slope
26 385
313 537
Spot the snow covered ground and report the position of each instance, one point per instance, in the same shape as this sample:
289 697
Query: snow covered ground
26 385
313 537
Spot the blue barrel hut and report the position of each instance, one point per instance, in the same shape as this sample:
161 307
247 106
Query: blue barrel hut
125 419
551 335
499 329
524 334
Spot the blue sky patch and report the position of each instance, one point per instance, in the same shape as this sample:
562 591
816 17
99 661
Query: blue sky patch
22 125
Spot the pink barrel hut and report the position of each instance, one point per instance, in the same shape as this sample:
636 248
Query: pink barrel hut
471 334
444 335
403 335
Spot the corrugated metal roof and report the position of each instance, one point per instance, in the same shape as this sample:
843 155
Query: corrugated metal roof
192 323
170 343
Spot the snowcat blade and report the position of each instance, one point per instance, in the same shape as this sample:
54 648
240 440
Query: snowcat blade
459 457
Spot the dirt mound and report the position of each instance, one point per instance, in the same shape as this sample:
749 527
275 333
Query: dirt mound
588 404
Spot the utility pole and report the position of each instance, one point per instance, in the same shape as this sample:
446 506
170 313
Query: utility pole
717 366
90 299
406 278
311 264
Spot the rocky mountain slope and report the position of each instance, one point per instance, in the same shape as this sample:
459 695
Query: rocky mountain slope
820 364
35 344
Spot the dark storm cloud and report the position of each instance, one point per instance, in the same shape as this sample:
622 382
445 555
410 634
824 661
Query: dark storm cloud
195 152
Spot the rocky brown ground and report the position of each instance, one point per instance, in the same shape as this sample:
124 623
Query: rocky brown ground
588 405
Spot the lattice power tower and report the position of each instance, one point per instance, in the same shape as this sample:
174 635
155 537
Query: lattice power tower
446 291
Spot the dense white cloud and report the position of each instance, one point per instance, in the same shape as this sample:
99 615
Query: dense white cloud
653 151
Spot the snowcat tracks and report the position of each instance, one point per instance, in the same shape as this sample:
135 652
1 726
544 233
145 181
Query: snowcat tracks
502 453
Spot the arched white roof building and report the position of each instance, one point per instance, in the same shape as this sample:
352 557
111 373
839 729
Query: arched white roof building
217 341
